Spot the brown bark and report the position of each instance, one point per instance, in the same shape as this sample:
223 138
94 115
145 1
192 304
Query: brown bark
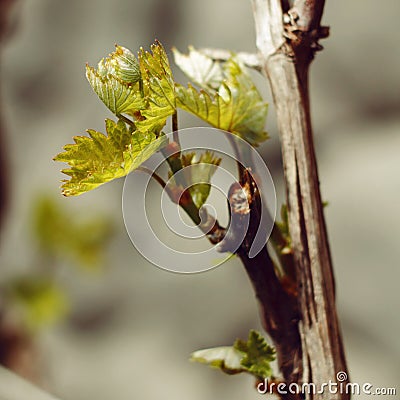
278 307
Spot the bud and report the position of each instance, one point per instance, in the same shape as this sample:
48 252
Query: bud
124 65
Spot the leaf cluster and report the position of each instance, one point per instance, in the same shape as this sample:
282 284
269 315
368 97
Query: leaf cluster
142 93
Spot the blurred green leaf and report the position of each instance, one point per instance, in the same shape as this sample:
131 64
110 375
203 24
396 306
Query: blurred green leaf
41 300
61 236
98 159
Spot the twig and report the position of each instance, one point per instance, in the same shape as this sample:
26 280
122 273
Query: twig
127 120
278 307
155 176
175 129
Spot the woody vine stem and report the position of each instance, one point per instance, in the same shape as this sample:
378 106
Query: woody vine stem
304 324
287 38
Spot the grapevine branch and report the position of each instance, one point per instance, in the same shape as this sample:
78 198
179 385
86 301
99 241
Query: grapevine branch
306 332
287 40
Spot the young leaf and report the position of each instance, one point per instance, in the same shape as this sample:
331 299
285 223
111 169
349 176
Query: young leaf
159 90
99 159
144 89
124 65
236 107
226 358
199 174
117 82
252 356
258 355
201 69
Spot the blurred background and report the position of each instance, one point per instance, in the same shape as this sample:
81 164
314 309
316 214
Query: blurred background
91 319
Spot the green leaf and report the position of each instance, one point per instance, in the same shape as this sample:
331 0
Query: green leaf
258 355
124 65
98 159
198 176
144 89
42 302
253 356
201 69
236 107
117 82
82 240
159 90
